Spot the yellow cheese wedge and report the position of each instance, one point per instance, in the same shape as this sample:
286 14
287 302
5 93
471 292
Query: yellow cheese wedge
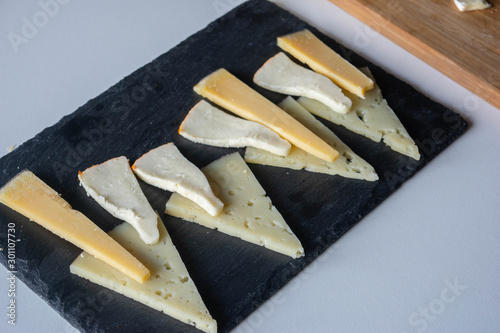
224 89
170 288
29 195
309 49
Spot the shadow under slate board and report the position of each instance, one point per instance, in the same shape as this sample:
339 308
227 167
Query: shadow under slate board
143 111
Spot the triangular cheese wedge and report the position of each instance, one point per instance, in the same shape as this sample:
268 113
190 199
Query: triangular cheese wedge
30 196
371 117
226 90
347 165
209 125
282 75
114 186
170 289
165 167
248 213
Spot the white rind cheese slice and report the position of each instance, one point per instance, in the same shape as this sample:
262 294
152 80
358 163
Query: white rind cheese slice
282 75
170 289
371 117
468 5
165 167
209 125
248 213
347 165
114 186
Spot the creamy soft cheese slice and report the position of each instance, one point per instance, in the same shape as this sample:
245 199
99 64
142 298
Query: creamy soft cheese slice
468 5
347 165
209 125
248 213
224 89
282 75
170 289
31 197
165 167
309 49
114 186
371 117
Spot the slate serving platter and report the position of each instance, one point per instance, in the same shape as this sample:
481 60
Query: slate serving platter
143 111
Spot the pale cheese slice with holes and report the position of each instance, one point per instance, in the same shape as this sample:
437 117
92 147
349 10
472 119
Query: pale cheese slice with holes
209 125
371 117
282 75
248 212
347 165
113 186
169 289
468 5
165 167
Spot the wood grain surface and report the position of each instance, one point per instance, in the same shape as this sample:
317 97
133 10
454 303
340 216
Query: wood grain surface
465 46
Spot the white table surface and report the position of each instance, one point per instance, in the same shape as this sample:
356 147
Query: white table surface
426 260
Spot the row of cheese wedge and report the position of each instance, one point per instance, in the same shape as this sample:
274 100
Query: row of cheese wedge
358 106
140 260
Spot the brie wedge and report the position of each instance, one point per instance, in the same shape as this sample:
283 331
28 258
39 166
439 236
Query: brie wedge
113 185
347 165
209 125
165 167
170 289
248 212
468 5
371 117
282 75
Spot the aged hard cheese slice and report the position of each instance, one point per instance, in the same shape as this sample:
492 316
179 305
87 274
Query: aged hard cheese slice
468 5
114 186
224 89
30 196
209 125
169 289
282 75
165 167
248 212
371 117
347 165
306 47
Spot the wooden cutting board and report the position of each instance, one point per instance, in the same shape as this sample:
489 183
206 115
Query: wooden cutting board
465 46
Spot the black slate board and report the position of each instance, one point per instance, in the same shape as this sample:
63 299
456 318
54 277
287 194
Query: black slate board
144 111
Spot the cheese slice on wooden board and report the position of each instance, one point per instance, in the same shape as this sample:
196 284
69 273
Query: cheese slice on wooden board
282 75
347 165
30 196
371 117
114 186
165 167
209 125
224 89
468 5
309 49
248 212
170 289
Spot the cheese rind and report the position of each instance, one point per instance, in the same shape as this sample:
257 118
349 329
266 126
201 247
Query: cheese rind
224 89
248 213
282 75
347 165
371 117
468 5
309 49
31 197
170 289
209 125
114 186
165 167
